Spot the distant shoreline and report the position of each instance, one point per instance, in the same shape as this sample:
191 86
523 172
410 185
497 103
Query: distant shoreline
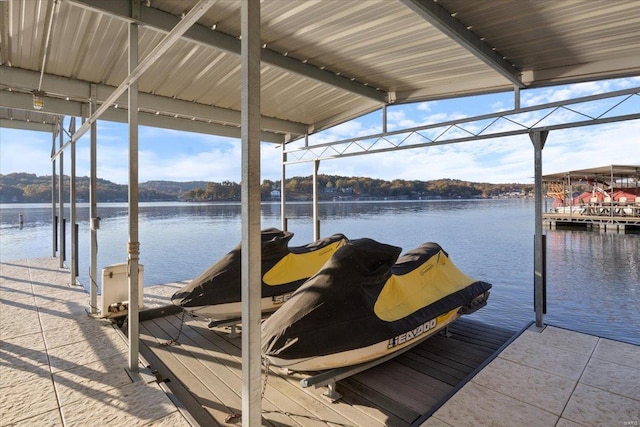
30 188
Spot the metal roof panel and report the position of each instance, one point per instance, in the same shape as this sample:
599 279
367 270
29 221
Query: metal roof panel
324 61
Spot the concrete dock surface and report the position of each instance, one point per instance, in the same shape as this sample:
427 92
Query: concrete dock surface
552 377
61 367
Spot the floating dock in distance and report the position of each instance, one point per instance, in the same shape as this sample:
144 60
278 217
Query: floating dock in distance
607 198
555 220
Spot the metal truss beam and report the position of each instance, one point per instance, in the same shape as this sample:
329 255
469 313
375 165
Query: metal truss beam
162 21
440 18
194 14
545 117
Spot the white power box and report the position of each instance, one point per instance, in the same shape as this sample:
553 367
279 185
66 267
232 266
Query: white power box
115 289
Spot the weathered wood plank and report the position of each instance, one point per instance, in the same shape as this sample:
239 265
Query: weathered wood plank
208 363
404 390
228 370
177 376
376 398
214 407
281 397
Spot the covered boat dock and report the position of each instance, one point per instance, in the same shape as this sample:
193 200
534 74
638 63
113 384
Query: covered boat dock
607 198
280 72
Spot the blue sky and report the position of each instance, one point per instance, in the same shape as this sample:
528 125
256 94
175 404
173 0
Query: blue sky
182 156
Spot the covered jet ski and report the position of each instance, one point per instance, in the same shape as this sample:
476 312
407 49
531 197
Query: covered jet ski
363 305
215 294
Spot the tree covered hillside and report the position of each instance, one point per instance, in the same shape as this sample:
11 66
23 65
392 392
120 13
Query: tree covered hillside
24 187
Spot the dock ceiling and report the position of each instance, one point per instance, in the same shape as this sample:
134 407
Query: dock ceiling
324 62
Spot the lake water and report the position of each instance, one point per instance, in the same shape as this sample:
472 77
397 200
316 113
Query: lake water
593 279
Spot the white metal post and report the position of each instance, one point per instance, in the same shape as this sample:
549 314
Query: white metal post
251 246
61 235
133 247
384 118
54 240
93 207
72 206
316 219
283 199
538 139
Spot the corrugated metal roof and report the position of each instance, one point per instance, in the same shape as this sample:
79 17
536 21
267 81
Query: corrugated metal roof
324 61
601 172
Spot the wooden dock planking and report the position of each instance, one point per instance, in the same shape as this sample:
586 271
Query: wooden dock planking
393 413
191 374
309 408
205 368
283 403
220 371
390 383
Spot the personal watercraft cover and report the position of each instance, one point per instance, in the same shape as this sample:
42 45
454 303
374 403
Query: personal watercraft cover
284 269
362 297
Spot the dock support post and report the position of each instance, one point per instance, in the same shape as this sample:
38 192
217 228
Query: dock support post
283 200
93 207
538 138
54 221
251 253
316 220
72 206
61 234
133 247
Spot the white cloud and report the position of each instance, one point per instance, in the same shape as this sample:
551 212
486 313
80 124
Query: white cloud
426 106
22 151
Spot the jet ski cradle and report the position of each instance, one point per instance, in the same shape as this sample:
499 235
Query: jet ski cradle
331 377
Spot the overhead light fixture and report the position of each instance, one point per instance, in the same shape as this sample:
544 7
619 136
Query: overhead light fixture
38 99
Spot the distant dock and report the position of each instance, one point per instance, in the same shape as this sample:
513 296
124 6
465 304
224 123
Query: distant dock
603 223
609 201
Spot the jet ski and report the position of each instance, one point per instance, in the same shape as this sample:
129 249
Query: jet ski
363 305
215 294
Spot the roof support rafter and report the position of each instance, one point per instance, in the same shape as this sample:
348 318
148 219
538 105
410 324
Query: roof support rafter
22 101
162 21
194 14
440 18
27 81
5 30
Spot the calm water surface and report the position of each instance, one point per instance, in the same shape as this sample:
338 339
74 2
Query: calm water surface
593 279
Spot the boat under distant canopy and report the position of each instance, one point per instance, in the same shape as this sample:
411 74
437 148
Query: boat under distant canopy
215 294
363 305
